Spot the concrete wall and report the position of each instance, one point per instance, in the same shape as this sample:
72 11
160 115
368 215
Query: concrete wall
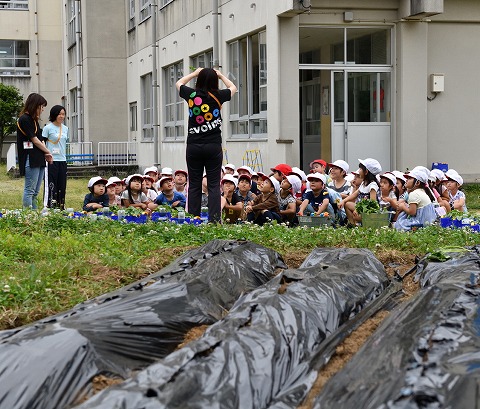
453 50
104 71
46 51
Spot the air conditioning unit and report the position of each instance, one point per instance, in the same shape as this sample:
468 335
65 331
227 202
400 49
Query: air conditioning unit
425 8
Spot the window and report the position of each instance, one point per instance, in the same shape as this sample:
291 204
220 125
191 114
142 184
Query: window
145 10
324 45
204 60
147 108
132 42
165 2
71 16
74 109
14 58
131 21
174 105
14 4
248 70
133 116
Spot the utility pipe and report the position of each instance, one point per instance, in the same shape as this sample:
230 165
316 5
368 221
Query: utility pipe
78 58
215 14
156 153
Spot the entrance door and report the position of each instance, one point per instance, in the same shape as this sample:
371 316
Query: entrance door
361 113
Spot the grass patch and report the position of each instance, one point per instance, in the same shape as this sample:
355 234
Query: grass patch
49 264
11 191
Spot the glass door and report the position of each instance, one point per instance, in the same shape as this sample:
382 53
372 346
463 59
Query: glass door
361 109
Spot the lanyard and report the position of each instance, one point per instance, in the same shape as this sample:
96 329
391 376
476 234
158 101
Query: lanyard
216 99
59 136
36 129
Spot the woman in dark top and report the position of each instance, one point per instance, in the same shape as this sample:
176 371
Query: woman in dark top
31 149
204 141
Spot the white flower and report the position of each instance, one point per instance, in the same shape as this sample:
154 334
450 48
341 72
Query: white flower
38 281
6 288
48 290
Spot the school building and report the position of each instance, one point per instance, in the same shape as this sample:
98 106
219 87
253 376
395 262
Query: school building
336 79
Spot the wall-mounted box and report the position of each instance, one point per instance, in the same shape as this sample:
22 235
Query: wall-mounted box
424 8
437 82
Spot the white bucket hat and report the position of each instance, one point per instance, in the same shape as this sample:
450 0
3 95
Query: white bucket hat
340 164
372 165
452 174
230 178
318 176
296 183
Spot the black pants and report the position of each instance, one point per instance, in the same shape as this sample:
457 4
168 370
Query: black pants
209 157
56 184
263 218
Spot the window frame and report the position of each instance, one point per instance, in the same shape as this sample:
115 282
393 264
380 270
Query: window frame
207 57
145 10
13 4
73 116
165 3
147 107
15 70
242 107
133 116
131 14
174 130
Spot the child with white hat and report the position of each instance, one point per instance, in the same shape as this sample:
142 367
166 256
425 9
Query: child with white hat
113 198
419 211
229 168
286 201
231 203
97 198
368 170
456 196
133 196
316 200
264 207
338 188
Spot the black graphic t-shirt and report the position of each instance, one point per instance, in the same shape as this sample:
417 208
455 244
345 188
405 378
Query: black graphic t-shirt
205 119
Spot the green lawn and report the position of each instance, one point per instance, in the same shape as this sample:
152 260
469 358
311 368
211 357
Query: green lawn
11 191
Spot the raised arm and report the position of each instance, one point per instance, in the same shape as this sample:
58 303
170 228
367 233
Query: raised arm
229 84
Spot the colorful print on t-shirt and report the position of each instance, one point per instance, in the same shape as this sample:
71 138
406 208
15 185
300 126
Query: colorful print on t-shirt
206 117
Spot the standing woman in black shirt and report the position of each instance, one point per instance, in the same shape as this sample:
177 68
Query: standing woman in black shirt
204 141
32 152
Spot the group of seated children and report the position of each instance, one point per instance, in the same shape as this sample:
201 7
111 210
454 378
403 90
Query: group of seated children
414 198
147 191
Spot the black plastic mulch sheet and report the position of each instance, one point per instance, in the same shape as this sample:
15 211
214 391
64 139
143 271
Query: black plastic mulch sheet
426 354
260 353
50 363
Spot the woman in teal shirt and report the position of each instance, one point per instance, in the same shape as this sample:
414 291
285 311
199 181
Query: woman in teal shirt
56 137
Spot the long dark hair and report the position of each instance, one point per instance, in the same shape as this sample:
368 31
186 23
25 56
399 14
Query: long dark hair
32 103
55 112
425 188
207 80
369 176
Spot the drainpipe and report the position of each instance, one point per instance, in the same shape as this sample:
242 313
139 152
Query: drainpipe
37 60
215 14
156 153
78 58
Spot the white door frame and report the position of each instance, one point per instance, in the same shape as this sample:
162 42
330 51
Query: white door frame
376 137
